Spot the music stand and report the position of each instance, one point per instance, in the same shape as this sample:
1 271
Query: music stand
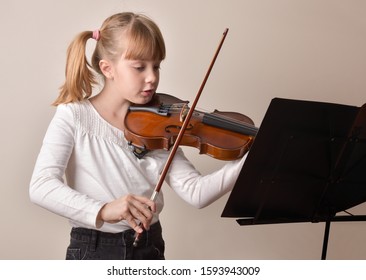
307 164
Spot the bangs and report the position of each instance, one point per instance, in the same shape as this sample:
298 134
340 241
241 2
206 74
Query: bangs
144 44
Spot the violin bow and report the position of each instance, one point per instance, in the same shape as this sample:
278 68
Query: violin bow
183 129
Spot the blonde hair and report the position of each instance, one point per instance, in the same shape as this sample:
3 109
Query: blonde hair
134 35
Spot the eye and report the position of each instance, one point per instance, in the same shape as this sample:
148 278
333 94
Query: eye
157 67
140 68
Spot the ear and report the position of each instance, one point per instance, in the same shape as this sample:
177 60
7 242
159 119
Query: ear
107 68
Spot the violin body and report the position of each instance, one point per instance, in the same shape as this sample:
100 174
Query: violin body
221 135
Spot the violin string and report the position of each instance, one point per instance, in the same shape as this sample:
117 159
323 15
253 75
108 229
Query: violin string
230 120
176 108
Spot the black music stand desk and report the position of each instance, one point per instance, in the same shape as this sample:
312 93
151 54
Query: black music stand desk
307 164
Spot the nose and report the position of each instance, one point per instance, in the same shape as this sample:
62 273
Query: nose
152 76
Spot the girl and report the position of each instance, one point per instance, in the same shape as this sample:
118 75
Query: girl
105 195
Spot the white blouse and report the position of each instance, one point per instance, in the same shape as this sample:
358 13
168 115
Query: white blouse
99 167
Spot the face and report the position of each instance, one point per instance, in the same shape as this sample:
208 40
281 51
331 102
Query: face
136 80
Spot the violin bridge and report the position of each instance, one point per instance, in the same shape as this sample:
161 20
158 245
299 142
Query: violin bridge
183 112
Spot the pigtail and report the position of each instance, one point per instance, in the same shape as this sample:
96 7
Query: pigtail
79 76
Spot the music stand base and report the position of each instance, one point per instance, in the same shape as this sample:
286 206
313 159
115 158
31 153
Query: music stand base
357 218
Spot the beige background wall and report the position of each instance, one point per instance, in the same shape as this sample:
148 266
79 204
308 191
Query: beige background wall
310 49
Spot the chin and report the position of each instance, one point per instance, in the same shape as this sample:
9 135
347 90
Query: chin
147 99
141 100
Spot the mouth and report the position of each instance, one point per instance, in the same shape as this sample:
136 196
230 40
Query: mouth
148 92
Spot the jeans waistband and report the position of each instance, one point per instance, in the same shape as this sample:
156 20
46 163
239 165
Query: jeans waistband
125 238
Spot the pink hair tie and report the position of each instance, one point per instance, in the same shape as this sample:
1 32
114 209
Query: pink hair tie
96 35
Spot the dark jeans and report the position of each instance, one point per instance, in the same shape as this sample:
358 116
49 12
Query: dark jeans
89 244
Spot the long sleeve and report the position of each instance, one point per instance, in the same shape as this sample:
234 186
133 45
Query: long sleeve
47 187
198 190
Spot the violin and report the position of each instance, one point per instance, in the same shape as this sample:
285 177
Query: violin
155 125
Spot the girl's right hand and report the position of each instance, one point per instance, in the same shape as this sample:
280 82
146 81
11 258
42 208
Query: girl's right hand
130 208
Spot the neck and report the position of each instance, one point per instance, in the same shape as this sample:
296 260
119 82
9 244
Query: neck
113 109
